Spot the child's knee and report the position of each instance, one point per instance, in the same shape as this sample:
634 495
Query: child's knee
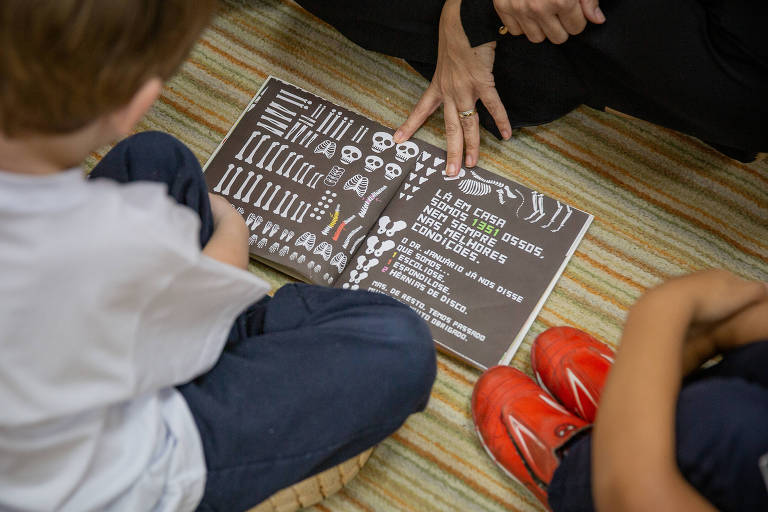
158 156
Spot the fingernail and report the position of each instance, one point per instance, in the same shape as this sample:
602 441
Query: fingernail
452 170
506 134
397 136
599 14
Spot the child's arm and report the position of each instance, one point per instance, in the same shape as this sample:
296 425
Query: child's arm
229 242
634 438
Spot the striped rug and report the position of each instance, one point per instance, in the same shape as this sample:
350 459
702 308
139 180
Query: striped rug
664 204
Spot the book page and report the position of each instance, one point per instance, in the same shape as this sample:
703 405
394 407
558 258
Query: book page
309 177
475 255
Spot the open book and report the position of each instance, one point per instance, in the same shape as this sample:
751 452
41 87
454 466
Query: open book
331 199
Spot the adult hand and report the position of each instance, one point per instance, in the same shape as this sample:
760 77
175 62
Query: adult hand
547 19
463 75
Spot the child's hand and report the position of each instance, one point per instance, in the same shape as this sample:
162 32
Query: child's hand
726 312
221 208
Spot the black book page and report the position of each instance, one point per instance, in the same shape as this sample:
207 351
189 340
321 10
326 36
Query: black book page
309 177
475 256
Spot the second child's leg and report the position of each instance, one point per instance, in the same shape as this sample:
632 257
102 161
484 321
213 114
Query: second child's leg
308 379
719 439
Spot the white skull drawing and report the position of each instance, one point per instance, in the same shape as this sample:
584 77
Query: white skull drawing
350 154
372 163
406 150
381 142
392 171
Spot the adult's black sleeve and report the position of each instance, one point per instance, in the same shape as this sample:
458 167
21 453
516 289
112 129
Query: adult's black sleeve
480 21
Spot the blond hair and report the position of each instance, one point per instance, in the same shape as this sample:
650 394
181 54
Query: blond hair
64 63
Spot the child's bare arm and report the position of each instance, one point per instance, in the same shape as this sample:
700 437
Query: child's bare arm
229 242
634 440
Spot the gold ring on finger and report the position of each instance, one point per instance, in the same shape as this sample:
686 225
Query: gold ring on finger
467 113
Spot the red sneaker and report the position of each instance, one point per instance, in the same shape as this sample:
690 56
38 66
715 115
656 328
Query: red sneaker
521 427
572 366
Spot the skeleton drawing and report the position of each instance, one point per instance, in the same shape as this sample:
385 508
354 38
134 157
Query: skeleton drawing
339 261
406 150
381 142
385 228
373 162
365 264
358 183
370 199
324 249
350 154
306 240
376 248
327 148
334 219
333 176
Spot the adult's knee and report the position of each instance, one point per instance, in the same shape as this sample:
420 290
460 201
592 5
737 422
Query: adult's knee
718 444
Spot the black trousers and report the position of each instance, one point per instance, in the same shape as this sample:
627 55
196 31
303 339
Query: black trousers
696 66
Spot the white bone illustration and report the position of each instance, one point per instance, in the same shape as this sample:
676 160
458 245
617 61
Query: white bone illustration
301 259
317 268
267 227
253 221
283 147
355 244
366 264
350 235
284 250
350 154
298 208
383 223
262 243
240 210
293 256
324 249
406 150
372 242
396 226
274 192
247 196
384 247
249 158
257 204
538 208
334 175
306 240
239 192
358 183
339 261
370 199
217 188
346 286
287 173
288 206
565 219
373 162
252 239
559 209
276 211
356 277
274 247
313 181
240 154
326 276
263 160
229 186
381 142
474 187
392 171
285 162
275 229
327 147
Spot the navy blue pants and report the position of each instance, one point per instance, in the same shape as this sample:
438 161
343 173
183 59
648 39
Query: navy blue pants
721 433
307 379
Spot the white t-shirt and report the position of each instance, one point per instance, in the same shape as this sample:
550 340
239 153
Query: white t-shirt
106 303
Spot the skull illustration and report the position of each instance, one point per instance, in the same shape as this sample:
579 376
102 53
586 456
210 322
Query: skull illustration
350 154
392 171
372 163
406 151
381 142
